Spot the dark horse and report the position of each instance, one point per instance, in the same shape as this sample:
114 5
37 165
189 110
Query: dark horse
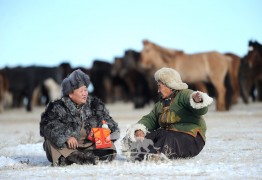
23 81
250 72
132 78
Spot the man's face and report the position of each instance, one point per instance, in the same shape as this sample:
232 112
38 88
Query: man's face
163 90
79 96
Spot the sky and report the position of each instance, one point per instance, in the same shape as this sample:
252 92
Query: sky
49 32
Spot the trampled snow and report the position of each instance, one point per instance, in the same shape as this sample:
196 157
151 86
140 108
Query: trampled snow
233 149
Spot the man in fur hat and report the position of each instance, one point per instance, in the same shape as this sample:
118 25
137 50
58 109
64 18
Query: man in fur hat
66 124
175 128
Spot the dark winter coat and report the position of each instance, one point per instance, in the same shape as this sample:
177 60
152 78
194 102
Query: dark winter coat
62 119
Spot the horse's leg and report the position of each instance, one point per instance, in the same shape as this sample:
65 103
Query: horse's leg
221 92
218 82
259 90
36 96
233 73
219 77
235 90
200 86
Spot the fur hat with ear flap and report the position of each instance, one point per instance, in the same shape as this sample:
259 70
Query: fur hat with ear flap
171 78
75 80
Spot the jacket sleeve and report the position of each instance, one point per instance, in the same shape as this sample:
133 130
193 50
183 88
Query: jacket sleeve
147 123
53 127
206 101
150 121
197 108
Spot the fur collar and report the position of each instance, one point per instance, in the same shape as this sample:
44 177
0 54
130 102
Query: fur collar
74 109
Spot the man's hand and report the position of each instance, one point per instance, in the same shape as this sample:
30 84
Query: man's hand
139 133
197 97
72 143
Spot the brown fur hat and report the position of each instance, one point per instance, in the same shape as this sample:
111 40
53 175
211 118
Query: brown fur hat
171 78
75 80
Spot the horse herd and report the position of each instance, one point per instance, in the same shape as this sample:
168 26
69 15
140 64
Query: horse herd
226 77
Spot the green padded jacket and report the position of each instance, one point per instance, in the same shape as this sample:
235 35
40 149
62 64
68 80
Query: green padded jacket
183 115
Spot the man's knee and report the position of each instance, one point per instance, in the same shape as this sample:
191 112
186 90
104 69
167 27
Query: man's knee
47 149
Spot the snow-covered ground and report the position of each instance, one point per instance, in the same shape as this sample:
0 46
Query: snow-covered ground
233 149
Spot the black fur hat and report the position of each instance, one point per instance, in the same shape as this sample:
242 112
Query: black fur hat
75 80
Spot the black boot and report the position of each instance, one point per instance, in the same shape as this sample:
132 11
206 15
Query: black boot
82 158
105 155
63 161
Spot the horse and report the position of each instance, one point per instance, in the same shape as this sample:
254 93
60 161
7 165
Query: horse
100 75
250 74
196 68
48 91
29 78
132 79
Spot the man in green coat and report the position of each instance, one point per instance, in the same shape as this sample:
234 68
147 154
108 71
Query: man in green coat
175 127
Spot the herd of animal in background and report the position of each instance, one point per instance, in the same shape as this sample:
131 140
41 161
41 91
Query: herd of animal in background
130 78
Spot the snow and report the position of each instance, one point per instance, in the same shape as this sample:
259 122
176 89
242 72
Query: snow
233 149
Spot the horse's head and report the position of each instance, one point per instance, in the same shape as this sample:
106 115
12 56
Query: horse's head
254 56
156 56
122 65
131 59
150 56
146 54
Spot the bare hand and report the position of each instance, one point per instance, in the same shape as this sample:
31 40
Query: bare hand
72 143
197 97
139 133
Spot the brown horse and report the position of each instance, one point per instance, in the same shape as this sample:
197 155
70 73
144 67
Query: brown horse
194 68
250 72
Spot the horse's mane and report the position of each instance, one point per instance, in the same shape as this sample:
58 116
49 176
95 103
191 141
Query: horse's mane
164 50
166 53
